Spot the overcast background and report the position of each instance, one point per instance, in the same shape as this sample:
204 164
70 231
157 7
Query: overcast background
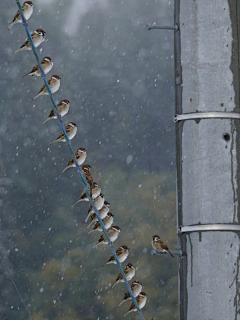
119 78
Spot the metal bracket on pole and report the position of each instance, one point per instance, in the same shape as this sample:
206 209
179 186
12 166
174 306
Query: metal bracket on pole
174 28
206 115
210 227
174 252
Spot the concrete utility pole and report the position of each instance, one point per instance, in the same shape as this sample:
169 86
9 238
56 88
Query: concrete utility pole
208 157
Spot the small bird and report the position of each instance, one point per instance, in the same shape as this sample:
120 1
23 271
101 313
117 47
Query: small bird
96 190
107 221
46 65
159 245
98 202
38 37
129 273
103 213
71 130
54 84
27 8
88 176
141 301
122 254
63 108
81 155
136 288
113 235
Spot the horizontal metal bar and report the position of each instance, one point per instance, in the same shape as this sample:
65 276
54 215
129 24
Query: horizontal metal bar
209 227
150 27
206 115
174 252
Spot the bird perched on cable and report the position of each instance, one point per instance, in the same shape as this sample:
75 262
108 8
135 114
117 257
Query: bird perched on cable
96 190
71 130
38 36
122 254
27 9
113 235
88 176
107 221
98 203
141 301
136 288
102 212
81 155
159 245
54 84
129 273
63 108
46 65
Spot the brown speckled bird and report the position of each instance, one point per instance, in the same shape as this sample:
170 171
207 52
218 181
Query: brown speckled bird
136 288
27 9
102 212
122 254
141 301
159 245
81 155
107 221
88 176
129 273
113 233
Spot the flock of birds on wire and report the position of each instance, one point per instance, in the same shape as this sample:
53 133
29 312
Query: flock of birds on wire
102 205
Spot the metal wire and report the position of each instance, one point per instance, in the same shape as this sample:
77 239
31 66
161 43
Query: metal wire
16 288
75 160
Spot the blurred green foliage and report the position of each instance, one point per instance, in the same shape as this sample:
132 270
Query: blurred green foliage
119 80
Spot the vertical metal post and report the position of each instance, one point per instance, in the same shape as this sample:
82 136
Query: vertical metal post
208 158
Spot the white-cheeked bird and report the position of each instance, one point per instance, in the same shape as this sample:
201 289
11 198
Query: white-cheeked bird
46 65
71 130
141 301
81 155
27 9
63 108
54 84
38 36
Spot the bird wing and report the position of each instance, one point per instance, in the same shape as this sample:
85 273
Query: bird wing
35 68
52 113
70 162
17 15
163 245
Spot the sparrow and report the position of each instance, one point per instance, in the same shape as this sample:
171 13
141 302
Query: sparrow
129 273
27 8
98 202
141 301
71 130
38 37
122 254
81 155
54 84
107 221
88 176
103 213
96 190
46 65
159 245
113 235
63 108
136 288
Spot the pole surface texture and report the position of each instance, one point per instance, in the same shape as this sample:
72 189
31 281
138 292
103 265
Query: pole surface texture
208 158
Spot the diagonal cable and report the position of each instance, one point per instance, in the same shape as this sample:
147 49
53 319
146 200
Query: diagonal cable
75 160
16 288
